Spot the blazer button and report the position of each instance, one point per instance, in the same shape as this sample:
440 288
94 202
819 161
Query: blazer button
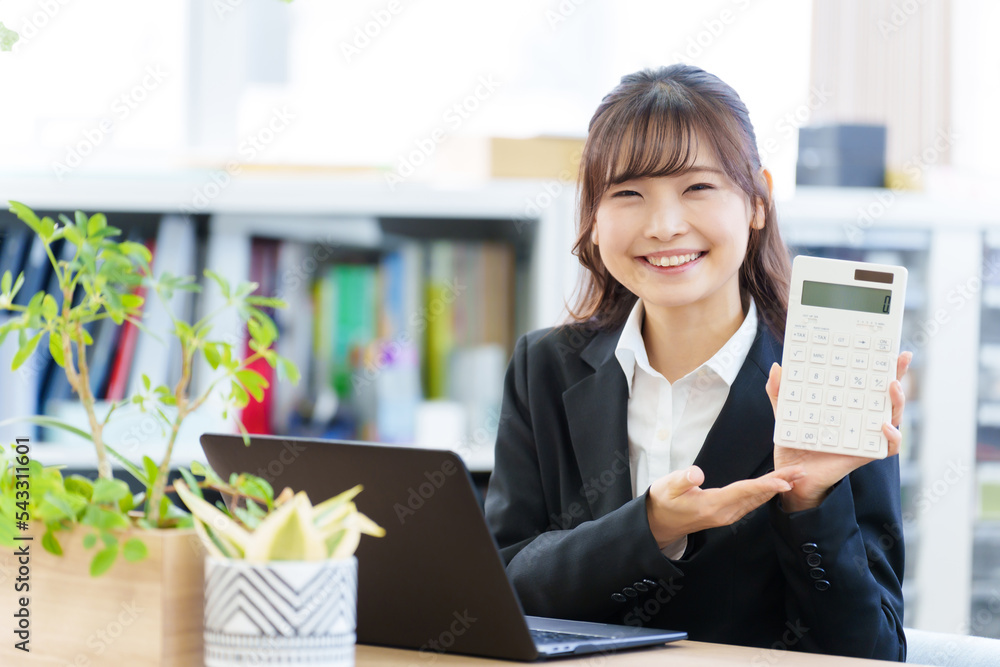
813 560
631 592
640 586
822 585
650 583
618 597
810 547
817 573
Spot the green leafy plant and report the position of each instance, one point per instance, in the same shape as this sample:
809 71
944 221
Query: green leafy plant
108 274
258 527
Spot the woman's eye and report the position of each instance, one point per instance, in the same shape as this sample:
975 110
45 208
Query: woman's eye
701 186
625 193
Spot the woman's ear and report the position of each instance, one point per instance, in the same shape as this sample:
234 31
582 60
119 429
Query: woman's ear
593 234
760 210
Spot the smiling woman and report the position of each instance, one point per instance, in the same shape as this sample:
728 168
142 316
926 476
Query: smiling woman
669 363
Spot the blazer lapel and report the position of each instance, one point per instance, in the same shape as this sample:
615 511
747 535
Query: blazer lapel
741 441
597 412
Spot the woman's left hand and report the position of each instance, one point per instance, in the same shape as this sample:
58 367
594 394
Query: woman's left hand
824 469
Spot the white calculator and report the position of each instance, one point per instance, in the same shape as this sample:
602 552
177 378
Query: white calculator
841 342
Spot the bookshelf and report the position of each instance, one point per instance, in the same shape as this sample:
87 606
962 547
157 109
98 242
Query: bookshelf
942 242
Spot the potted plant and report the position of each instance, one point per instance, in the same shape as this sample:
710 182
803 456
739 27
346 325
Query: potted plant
91 522
280 575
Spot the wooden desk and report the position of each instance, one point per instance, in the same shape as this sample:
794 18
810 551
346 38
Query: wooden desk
675 654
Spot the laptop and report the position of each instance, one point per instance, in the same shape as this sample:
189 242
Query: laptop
435 582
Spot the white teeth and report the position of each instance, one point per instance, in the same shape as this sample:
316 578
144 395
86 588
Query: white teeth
673 260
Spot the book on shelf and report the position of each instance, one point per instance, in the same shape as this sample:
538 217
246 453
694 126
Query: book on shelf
256 416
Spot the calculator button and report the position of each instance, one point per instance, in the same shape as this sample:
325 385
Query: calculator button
794 373
841 339
859 360
835 397
796 353
821 337
876 402
811 415
881 363
873 422
791 413
856 400
883 344
879 382
788 433
862 341
858 381
838 358
816 375
814 395
793 393
837 378
872 442
799 334
832 417
809 436
818 356
852 430
828 437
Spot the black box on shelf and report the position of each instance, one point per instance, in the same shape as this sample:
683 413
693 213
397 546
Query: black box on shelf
842 155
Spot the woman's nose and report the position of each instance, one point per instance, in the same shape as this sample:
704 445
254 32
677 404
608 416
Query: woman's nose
665 221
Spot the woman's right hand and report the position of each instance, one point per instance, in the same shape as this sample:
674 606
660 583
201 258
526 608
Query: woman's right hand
678 506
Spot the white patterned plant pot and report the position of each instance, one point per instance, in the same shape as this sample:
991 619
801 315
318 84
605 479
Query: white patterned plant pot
280 613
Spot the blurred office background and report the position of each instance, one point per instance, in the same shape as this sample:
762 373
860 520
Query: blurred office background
402 173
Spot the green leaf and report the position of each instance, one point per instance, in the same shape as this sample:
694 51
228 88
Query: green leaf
152 470
60 504
103 519
212 355
288 370
192 482
5 282
134 550
266 301
109 491
97 222
239 396
25 351
80 485
108 539
145 381
103 561
221 282
73 235
254 382
7 38
132 301
55 349
51 544
89 540
50 309
27 216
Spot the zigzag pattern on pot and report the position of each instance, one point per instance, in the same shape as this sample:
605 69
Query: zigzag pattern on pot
237 600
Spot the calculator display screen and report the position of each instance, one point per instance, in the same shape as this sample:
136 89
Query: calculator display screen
846 297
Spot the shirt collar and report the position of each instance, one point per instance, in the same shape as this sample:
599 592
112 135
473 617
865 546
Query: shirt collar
726 363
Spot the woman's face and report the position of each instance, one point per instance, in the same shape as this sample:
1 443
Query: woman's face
677 240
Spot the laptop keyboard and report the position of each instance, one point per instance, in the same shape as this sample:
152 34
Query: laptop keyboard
547 636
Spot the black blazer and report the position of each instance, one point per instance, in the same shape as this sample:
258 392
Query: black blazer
577 545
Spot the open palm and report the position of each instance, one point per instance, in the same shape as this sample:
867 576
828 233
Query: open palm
824 469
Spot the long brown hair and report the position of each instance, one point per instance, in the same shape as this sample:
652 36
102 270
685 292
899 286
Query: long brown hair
649 125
